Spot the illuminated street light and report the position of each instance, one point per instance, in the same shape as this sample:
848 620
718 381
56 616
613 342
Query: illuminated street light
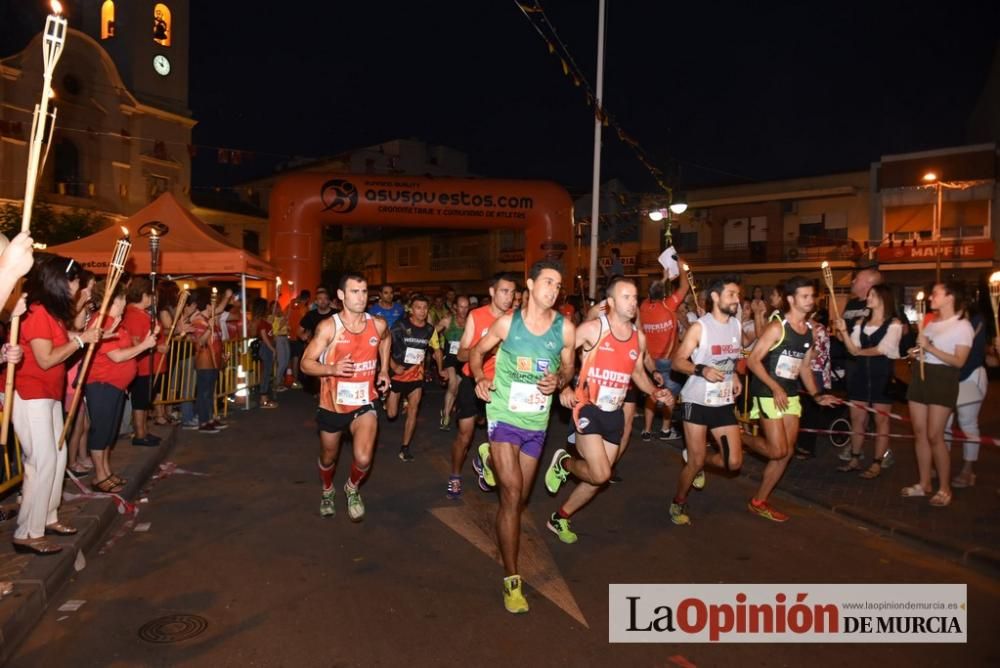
656 215
930 177
679 207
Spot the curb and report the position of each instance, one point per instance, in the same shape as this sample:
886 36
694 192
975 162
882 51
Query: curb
41 580
967 553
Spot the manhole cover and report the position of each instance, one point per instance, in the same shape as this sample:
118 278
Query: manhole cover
173 628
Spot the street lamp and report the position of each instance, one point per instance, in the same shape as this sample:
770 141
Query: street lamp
932 179
678 207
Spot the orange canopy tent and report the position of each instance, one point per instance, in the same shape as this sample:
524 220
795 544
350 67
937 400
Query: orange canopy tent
189 248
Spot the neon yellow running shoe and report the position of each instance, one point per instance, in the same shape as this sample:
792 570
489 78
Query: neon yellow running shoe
699 478
484 465
513 596
560 527
679 514
555 475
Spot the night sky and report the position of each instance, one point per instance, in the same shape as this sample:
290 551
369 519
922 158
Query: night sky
717 92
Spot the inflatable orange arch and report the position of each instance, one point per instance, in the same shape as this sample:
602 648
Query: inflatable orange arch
302 204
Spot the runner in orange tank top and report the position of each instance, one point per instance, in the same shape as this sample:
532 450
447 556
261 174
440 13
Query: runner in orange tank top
350 355
613 353
468 407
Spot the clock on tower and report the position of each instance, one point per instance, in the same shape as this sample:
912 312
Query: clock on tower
149 43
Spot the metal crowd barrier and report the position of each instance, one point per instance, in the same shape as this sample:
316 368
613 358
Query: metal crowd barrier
239 373
13 468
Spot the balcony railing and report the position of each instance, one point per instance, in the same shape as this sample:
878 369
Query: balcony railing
802 249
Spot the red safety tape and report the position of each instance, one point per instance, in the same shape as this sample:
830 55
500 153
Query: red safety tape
680 661
124 507
982 440
870 409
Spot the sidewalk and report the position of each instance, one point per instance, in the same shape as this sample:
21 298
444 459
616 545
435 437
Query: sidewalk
38 579
968 529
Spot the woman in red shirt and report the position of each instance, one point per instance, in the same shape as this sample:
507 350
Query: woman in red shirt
39 387
136 321
207 360
112 371
262 330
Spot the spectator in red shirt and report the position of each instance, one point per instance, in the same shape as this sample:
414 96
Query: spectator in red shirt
137 323
658 316
112 370
39 387
208 357
262 330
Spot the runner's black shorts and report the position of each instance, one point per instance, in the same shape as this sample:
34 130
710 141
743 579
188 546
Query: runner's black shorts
633 395
610 425
712 417
467 404
334 423
404 387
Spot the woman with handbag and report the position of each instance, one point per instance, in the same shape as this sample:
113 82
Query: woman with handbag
873 342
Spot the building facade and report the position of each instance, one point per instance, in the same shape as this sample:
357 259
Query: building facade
123 130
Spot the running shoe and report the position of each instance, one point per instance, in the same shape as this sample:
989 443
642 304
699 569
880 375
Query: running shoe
513 596
555 475
699 479
646 436
326 508
560 527
845 455
208 428
454 487
405 455
477 466
679 514
190 426
765 510
484 463
355 506
671 435
219 424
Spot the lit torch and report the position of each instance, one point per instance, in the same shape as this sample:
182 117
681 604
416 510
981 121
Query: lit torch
921 312
995 300
828 279
53 41
115 270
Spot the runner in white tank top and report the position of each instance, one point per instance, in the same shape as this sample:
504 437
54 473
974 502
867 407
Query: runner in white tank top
708 354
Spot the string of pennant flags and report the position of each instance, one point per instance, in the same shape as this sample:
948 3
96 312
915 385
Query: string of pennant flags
535 14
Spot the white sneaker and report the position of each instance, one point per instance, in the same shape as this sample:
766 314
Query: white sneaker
671 435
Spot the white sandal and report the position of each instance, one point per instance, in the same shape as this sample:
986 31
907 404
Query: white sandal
913 490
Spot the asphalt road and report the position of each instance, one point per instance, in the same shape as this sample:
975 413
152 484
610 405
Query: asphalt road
417 583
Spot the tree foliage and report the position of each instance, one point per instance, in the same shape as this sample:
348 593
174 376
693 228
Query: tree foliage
51 227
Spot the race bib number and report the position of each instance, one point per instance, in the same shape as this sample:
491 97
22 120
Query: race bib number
610 398
527 398
719 394
788 367
453 347
352 394
413 356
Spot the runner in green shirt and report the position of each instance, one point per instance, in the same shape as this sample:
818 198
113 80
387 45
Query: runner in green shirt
534 361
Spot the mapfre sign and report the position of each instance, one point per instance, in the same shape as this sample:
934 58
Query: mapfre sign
969 250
